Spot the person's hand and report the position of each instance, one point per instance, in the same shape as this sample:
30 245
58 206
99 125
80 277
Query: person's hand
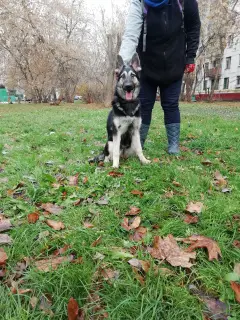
189 68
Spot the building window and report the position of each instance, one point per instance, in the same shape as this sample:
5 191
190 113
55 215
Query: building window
230 41
228 63
205 83
226 83
238 81
216 84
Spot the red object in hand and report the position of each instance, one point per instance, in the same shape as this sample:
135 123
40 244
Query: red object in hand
189 68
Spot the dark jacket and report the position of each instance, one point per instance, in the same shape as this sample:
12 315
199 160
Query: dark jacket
170 44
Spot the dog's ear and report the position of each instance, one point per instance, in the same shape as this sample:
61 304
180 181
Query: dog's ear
120 64
135 62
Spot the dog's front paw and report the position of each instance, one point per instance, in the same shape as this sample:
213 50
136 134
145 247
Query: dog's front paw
145 161
115 166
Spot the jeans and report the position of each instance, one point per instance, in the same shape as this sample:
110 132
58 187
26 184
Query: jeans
169 100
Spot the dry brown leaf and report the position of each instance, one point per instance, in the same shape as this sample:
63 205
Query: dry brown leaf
132 224
236 288
2 272
62 250
110 274
156 160
5 224
51 208
20 268
206 162
5 239
52 263
20 291
236 244
176 184
184 149
33 302
88 225
169 194
194 207
137 193
73 309
96 242
190 219
56 225
73 180
237 268
141 265
220 181
85 180
133 211
33 217
139 234
115 174
138 276
203 242
46 304
168 249
3 257
163 271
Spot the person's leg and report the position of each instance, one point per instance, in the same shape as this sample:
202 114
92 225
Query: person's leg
147 98
170 104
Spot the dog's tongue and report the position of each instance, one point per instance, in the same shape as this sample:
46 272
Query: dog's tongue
129 96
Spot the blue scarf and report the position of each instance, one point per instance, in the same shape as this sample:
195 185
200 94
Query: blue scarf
156 3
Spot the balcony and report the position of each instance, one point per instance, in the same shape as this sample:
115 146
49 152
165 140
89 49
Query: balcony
213 72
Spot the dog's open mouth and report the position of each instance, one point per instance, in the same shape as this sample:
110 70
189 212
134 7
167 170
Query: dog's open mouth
129 95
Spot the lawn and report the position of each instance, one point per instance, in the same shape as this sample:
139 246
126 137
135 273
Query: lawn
42 146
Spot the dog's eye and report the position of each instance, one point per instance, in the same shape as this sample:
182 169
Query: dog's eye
133 75
123 76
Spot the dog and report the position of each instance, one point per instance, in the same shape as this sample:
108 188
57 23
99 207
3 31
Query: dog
124 120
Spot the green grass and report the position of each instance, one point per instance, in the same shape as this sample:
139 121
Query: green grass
32 135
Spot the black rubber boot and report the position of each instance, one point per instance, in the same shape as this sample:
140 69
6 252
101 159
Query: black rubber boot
143 133
173 135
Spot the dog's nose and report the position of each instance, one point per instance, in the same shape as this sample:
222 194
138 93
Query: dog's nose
128 87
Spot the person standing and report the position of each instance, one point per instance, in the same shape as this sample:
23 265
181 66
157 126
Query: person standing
165 33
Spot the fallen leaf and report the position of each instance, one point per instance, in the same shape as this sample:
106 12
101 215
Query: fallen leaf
33 217
168 249
52 263
215 309
56 225
184 149
163 271
4 180
3 257
33 302
20 291
20 268
236 288
139 277
73 180
141 265
102 202
115 174
139 234
110 274
203 242
51 208
5 239
176 184
77 202
137 193
190 219
156 160
62 250
237 268
133 211
73 309
220 181
88 225
194 207
43 235
96 242
78 260
85 180
206 162
2 273
132 224
169 194
5 224
46 304
236 244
